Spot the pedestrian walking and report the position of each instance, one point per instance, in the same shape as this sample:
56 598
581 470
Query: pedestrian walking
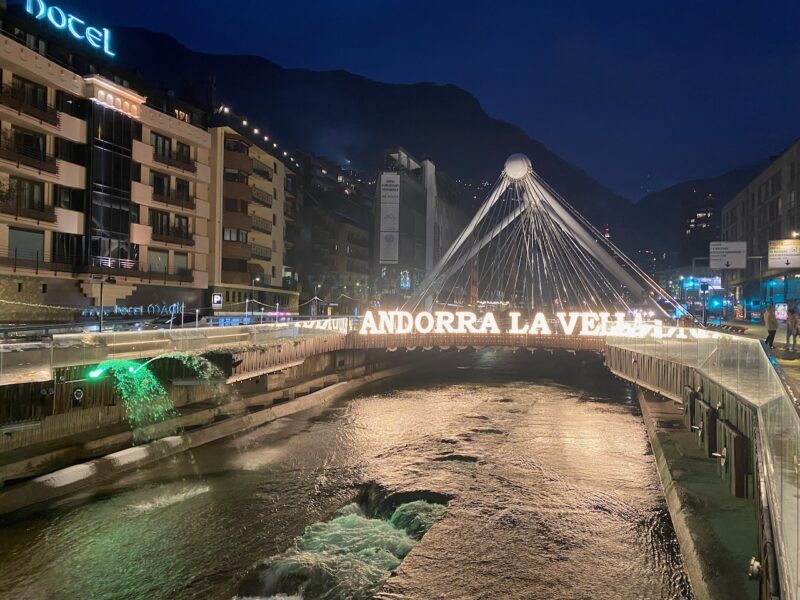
771 321
792 327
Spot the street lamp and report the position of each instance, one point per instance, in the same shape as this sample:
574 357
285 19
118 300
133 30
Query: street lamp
253 286
110 280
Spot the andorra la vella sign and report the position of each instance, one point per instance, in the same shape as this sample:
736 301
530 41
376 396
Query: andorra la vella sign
98 38
576 323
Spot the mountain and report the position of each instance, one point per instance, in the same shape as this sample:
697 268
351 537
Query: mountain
346 116
661 212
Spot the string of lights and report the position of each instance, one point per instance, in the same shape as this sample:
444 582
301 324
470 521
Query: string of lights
257 131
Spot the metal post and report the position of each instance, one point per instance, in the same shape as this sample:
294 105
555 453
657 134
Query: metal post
246 306
277 311
101 304
183 306
262 315
196 318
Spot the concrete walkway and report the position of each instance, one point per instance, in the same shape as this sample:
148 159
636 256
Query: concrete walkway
717 532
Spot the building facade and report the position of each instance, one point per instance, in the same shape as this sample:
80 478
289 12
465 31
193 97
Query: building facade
336 237
101 180
418 216
765 210
254 208
700 226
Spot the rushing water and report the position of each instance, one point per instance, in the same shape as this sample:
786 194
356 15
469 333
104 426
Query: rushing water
550 492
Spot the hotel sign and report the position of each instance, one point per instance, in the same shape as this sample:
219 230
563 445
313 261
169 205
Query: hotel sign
99 39
566 324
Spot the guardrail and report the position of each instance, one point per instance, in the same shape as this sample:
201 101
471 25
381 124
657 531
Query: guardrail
742 367
35 361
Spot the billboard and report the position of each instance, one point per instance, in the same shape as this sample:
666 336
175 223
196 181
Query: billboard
389 187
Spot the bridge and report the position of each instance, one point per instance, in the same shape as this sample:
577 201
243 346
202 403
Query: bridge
530 273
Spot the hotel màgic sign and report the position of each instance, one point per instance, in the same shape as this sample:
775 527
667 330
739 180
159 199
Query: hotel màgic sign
97 38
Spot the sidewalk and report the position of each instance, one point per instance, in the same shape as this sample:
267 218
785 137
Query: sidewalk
788 361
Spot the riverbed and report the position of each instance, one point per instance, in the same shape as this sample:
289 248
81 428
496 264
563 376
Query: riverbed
542 463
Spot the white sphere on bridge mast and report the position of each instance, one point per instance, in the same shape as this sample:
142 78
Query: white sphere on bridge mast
517 166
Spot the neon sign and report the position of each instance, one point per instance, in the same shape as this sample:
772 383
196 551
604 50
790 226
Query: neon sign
99 39
566 323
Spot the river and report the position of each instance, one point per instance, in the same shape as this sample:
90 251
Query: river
544 466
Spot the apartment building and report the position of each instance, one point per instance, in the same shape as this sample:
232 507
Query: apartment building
101 180
765 211
336 234
254 208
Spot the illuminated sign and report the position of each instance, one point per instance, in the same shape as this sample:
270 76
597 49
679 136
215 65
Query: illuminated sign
100 39
566 323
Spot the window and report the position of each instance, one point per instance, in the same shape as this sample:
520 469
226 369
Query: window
29 92
30 194
181 189
235 175
161 144
111 170
66 247
65 197
183 152
181 262
234 235
29 143
157 260
181 226
159 221
70 151
232 145
159 183
71 105
25 245
113 130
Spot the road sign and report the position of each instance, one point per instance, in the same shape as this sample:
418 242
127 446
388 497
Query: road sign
784 254
728 255
216 300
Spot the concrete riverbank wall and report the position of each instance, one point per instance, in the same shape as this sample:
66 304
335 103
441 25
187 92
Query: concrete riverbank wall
43 472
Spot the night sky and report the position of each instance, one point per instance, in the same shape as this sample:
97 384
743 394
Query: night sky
641 95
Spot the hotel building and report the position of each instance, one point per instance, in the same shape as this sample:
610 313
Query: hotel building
101 180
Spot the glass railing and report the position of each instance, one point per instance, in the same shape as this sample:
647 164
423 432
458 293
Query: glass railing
742 366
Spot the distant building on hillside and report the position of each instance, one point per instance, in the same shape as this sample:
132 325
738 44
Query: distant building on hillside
700 226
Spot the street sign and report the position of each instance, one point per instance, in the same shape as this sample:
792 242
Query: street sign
216 300
727 255
784 254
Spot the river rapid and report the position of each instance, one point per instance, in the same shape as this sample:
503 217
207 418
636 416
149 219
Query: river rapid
490 475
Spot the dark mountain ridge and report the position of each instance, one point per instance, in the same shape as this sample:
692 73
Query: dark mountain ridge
348 117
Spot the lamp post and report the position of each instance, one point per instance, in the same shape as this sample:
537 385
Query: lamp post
110 280
253 287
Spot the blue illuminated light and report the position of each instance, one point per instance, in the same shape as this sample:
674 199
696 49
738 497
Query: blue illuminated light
99 39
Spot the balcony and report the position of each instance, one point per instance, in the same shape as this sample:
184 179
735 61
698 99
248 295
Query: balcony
132 269
172 199
236 190
262 225
239 161
16 99
236 250
261 252
28 210
262 197
237 220
29 157
176 162
19 259
182 237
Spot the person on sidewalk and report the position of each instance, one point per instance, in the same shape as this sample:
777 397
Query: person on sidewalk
792 326
771 321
